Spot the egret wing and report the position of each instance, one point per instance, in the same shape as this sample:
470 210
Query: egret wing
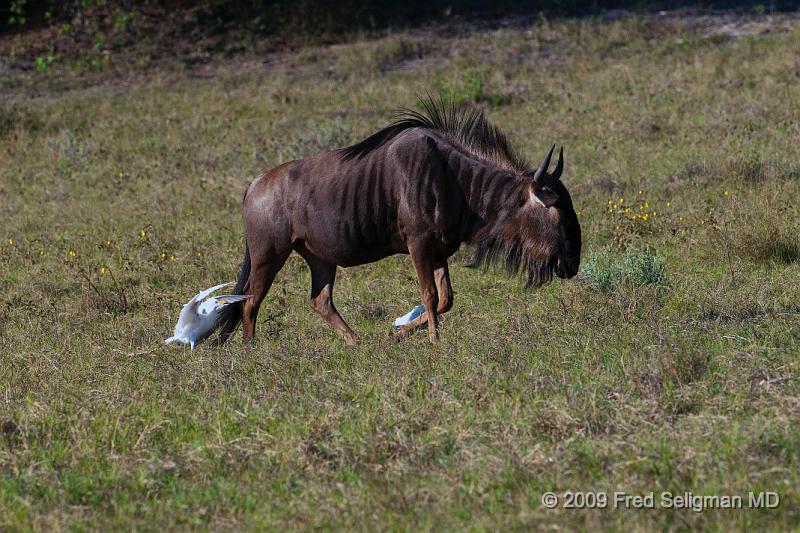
230 298
203 294
216 303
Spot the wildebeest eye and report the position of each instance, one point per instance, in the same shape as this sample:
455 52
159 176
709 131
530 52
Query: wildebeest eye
544 195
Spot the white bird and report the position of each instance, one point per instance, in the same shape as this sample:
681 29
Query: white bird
200 316
408 317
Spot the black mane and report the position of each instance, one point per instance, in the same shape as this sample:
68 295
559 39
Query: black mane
467 127
513 257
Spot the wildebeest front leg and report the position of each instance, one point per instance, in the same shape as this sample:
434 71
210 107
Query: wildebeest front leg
445 293
323 275
424 266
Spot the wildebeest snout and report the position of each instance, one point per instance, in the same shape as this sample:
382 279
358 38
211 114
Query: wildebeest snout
567 268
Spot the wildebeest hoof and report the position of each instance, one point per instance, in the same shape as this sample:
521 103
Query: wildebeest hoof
393 336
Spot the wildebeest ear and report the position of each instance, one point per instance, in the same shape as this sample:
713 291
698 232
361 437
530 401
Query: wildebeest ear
543 195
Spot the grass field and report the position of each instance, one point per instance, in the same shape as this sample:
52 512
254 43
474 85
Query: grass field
669 364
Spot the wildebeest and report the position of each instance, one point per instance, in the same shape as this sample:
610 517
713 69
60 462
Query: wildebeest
424 185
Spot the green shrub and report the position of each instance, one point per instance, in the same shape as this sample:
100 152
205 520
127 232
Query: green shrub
599 270
642 268
605 271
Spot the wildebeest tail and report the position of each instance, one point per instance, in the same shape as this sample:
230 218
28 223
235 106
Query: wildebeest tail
232 314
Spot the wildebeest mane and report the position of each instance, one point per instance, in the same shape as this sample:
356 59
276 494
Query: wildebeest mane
513 256
469 128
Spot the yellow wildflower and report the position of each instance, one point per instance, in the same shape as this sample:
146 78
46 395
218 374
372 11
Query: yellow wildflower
103 270
172 258
142 233
72 253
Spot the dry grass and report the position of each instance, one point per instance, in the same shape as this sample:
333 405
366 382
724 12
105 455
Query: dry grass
119 201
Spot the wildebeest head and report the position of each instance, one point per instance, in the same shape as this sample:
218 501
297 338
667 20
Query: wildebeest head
537 231
551 211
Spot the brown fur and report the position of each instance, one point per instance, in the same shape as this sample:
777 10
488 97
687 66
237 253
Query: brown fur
423 186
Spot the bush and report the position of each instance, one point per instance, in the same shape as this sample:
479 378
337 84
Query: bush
642 268
605 272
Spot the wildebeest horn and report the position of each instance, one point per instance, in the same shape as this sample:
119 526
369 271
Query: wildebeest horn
559 164
542 170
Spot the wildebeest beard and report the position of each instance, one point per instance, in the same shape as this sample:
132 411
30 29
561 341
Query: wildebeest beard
516 251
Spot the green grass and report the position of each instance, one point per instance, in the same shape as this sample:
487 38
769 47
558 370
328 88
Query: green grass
119 201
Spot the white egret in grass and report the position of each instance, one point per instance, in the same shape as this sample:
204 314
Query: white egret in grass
200 316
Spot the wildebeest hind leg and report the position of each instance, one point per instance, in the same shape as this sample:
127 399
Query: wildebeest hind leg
445 293
262 274
323 276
